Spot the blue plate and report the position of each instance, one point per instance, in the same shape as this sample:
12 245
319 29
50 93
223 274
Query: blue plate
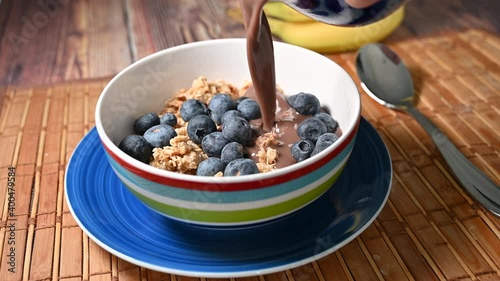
112 217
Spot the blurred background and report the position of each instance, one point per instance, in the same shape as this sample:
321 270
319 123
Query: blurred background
45 41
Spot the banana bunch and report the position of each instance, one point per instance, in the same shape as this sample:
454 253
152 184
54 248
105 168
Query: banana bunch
295 28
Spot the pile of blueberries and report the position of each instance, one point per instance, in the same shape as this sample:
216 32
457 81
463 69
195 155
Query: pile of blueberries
317 132
226 148
151 131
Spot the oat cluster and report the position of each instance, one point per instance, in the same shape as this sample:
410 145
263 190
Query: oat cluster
202 90
183 155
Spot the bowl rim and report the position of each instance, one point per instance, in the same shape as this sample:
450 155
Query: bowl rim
146 168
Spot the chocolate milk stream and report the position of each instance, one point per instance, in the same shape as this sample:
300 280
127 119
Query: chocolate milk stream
277 115
260 56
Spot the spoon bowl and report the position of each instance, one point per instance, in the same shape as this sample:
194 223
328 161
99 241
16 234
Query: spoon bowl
376 63
386 79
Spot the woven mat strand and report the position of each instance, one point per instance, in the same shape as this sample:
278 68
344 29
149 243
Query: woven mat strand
430 228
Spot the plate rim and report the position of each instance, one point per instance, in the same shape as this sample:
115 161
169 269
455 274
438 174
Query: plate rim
230 274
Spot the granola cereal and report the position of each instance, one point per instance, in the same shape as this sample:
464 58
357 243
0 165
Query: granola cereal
267 155
183 155
201 89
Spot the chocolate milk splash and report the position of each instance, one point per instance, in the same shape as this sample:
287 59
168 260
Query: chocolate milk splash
260 56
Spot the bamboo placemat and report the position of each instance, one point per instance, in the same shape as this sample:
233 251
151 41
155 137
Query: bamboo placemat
430 228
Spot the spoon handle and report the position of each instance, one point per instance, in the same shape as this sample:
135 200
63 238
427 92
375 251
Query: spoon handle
477 184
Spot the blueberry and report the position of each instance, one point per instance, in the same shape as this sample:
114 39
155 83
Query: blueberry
237 130
210 167
192 108
160 135
291 99
302 149
250 109
327 119
168 119
240 99
137 147
213 143
231 114
232 151
218 105
304 103
199 127
323 142
311 129
240 167
146 121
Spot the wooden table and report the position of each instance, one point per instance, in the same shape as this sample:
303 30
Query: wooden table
94 39
56 58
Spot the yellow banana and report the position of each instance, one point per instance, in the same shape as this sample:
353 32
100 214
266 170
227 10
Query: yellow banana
280 10
324 38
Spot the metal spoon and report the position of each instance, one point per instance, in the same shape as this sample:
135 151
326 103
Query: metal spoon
386 79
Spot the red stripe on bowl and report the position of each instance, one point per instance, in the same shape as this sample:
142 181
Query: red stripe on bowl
238 186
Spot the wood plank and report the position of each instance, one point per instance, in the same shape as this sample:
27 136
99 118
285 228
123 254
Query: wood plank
131 274
465 249
72 56
430 98
71 252
15 118
34 116
413 260
385 260
54 43
30 41
8 144
419 193
42 259
357 262
24 184
332 268
28 151
406 139
5 10
417 221
14 252
48 185
100 259
425 17
251 278
160 276
436 246
440 183
185 278
481 129
392 227
371 233
483 234
108 49
305 272
72 279
101 277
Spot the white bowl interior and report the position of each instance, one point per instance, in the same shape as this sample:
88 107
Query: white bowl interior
145 85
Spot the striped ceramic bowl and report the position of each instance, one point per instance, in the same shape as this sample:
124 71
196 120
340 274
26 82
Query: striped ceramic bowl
145 85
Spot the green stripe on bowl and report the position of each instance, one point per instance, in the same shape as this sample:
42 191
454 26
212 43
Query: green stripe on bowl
241 216
220 196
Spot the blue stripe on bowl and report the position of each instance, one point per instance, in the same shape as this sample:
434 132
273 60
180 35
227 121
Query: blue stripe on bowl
234 196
